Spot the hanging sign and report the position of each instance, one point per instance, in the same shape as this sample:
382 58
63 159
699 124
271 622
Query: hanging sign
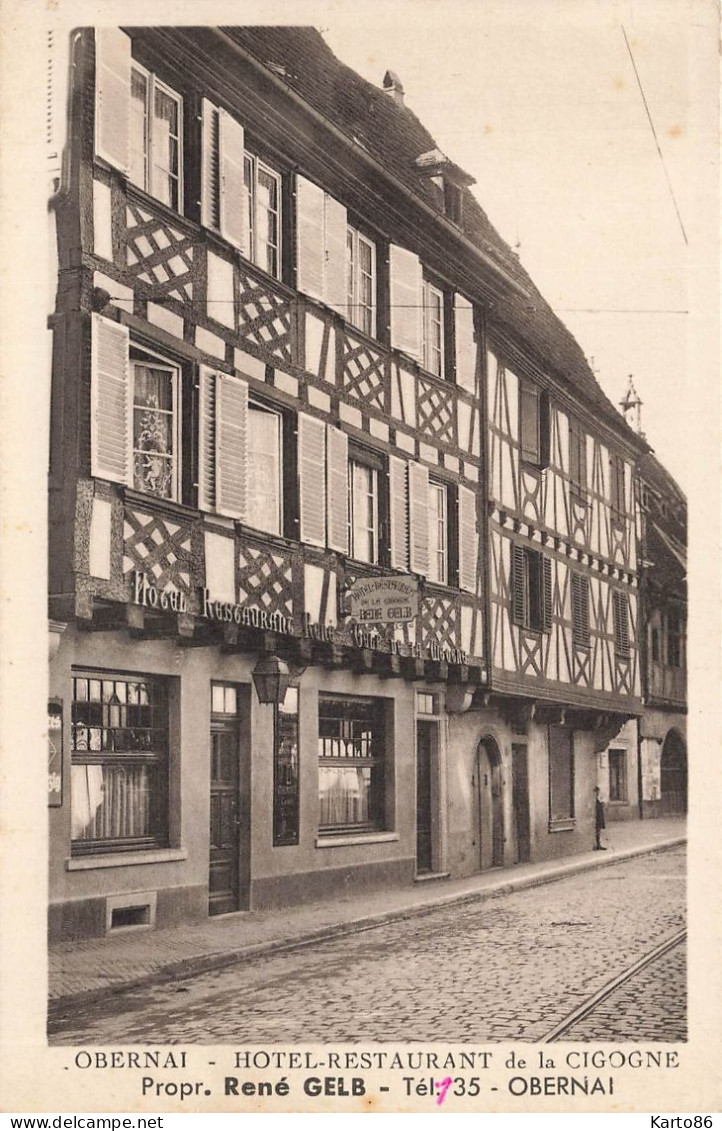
55 752
383 600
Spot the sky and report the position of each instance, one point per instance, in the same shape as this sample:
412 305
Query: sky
540 103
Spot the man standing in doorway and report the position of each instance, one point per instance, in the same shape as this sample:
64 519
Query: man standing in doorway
599 822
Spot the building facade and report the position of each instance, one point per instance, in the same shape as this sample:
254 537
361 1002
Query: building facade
292 360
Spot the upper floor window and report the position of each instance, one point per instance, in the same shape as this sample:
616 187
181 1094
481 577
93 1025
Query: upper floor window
156 123
265 469
580 610
534 411
531 589
617 485
674 640
438 533
155 425
263 190
433 329
363 511
577 457
620 609
360 281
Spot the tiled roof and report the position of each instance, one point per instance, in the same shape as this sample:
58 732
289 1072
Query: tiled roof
394 136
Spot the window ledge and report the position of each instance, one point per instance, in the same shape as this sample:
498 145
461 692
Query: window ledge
125 859
563 826
356 838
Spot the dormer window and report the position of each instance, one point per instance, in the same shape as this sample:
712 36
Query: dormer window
448 178
453 199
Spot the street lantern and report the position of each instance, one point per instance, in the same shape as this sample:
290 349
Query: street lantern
271 678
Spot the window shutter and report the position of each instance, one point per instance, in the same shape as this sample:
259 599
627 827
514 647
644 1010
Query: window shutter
419 518
398 513
337 487
310 241
518 585
231 471
233 195
207 440
547 593
529 422
465 343
580 609
621 623
112 97
406 282
335 230
110 399
468 540
210 166
312 479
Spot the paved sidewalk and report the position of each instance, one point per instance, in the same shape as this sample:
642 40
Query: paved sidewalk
92 969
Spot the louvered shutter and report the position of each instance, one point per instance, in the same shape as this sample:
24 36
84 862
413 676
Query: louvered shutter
621 623
207 440
547 592
210 166
398 513
529 422
468 540
110 399
231 445
418 518
312 479
406 283
465 343
310 240
112 97
518 585
337 488
233 195
335 251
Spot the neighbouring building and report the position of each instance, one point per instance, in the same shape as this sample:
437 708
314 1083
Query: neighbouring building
292 362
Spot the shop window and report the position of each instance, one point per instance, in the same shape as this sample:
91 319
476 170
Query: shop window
285 771
352 755
363 511
360 281
119 763
580 610
155 137
534 424
617 775
263 194
156 435
561 777
438 533
531 589
620 610
433 329
265 469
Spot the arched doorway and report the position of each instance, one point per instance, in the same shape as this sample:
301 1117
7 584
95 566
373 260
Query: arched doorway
487 806
674 774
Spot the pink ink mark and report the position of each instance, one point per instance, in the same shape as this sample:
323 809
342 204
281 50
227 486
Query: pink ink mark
443 1086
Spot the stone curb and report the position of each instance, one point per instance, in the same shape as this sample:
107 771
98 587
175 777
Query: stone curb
202 964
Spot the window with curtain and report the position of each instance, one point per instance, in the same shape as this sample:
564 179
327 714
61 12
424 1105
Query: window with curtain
119 763
438 534
263 188
351 770
360 281
155 137
155 427
433 329
265 469
363 510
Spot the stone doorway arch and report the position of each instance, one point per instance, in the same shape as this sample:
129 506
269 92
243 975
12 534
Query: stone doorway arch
674 774
487 806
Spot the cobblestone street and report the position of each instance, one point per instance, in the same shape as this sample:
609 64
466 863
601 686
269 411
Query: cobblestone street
507 969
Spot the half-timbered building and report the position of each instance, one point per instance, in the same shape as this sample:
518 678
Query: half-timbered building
291 355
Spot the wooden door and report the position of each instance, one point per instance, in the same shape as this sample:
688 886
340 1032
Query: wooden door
224 870
424 749
520 802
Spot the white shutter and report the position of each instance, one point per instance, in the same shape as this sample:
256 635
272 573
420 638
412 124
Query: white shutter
310 241
465 343
468 540
110 401
398 513
207 440
112 96
231 471
210 166
335 237
312 479
419 518
234 196
405 298
337 488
